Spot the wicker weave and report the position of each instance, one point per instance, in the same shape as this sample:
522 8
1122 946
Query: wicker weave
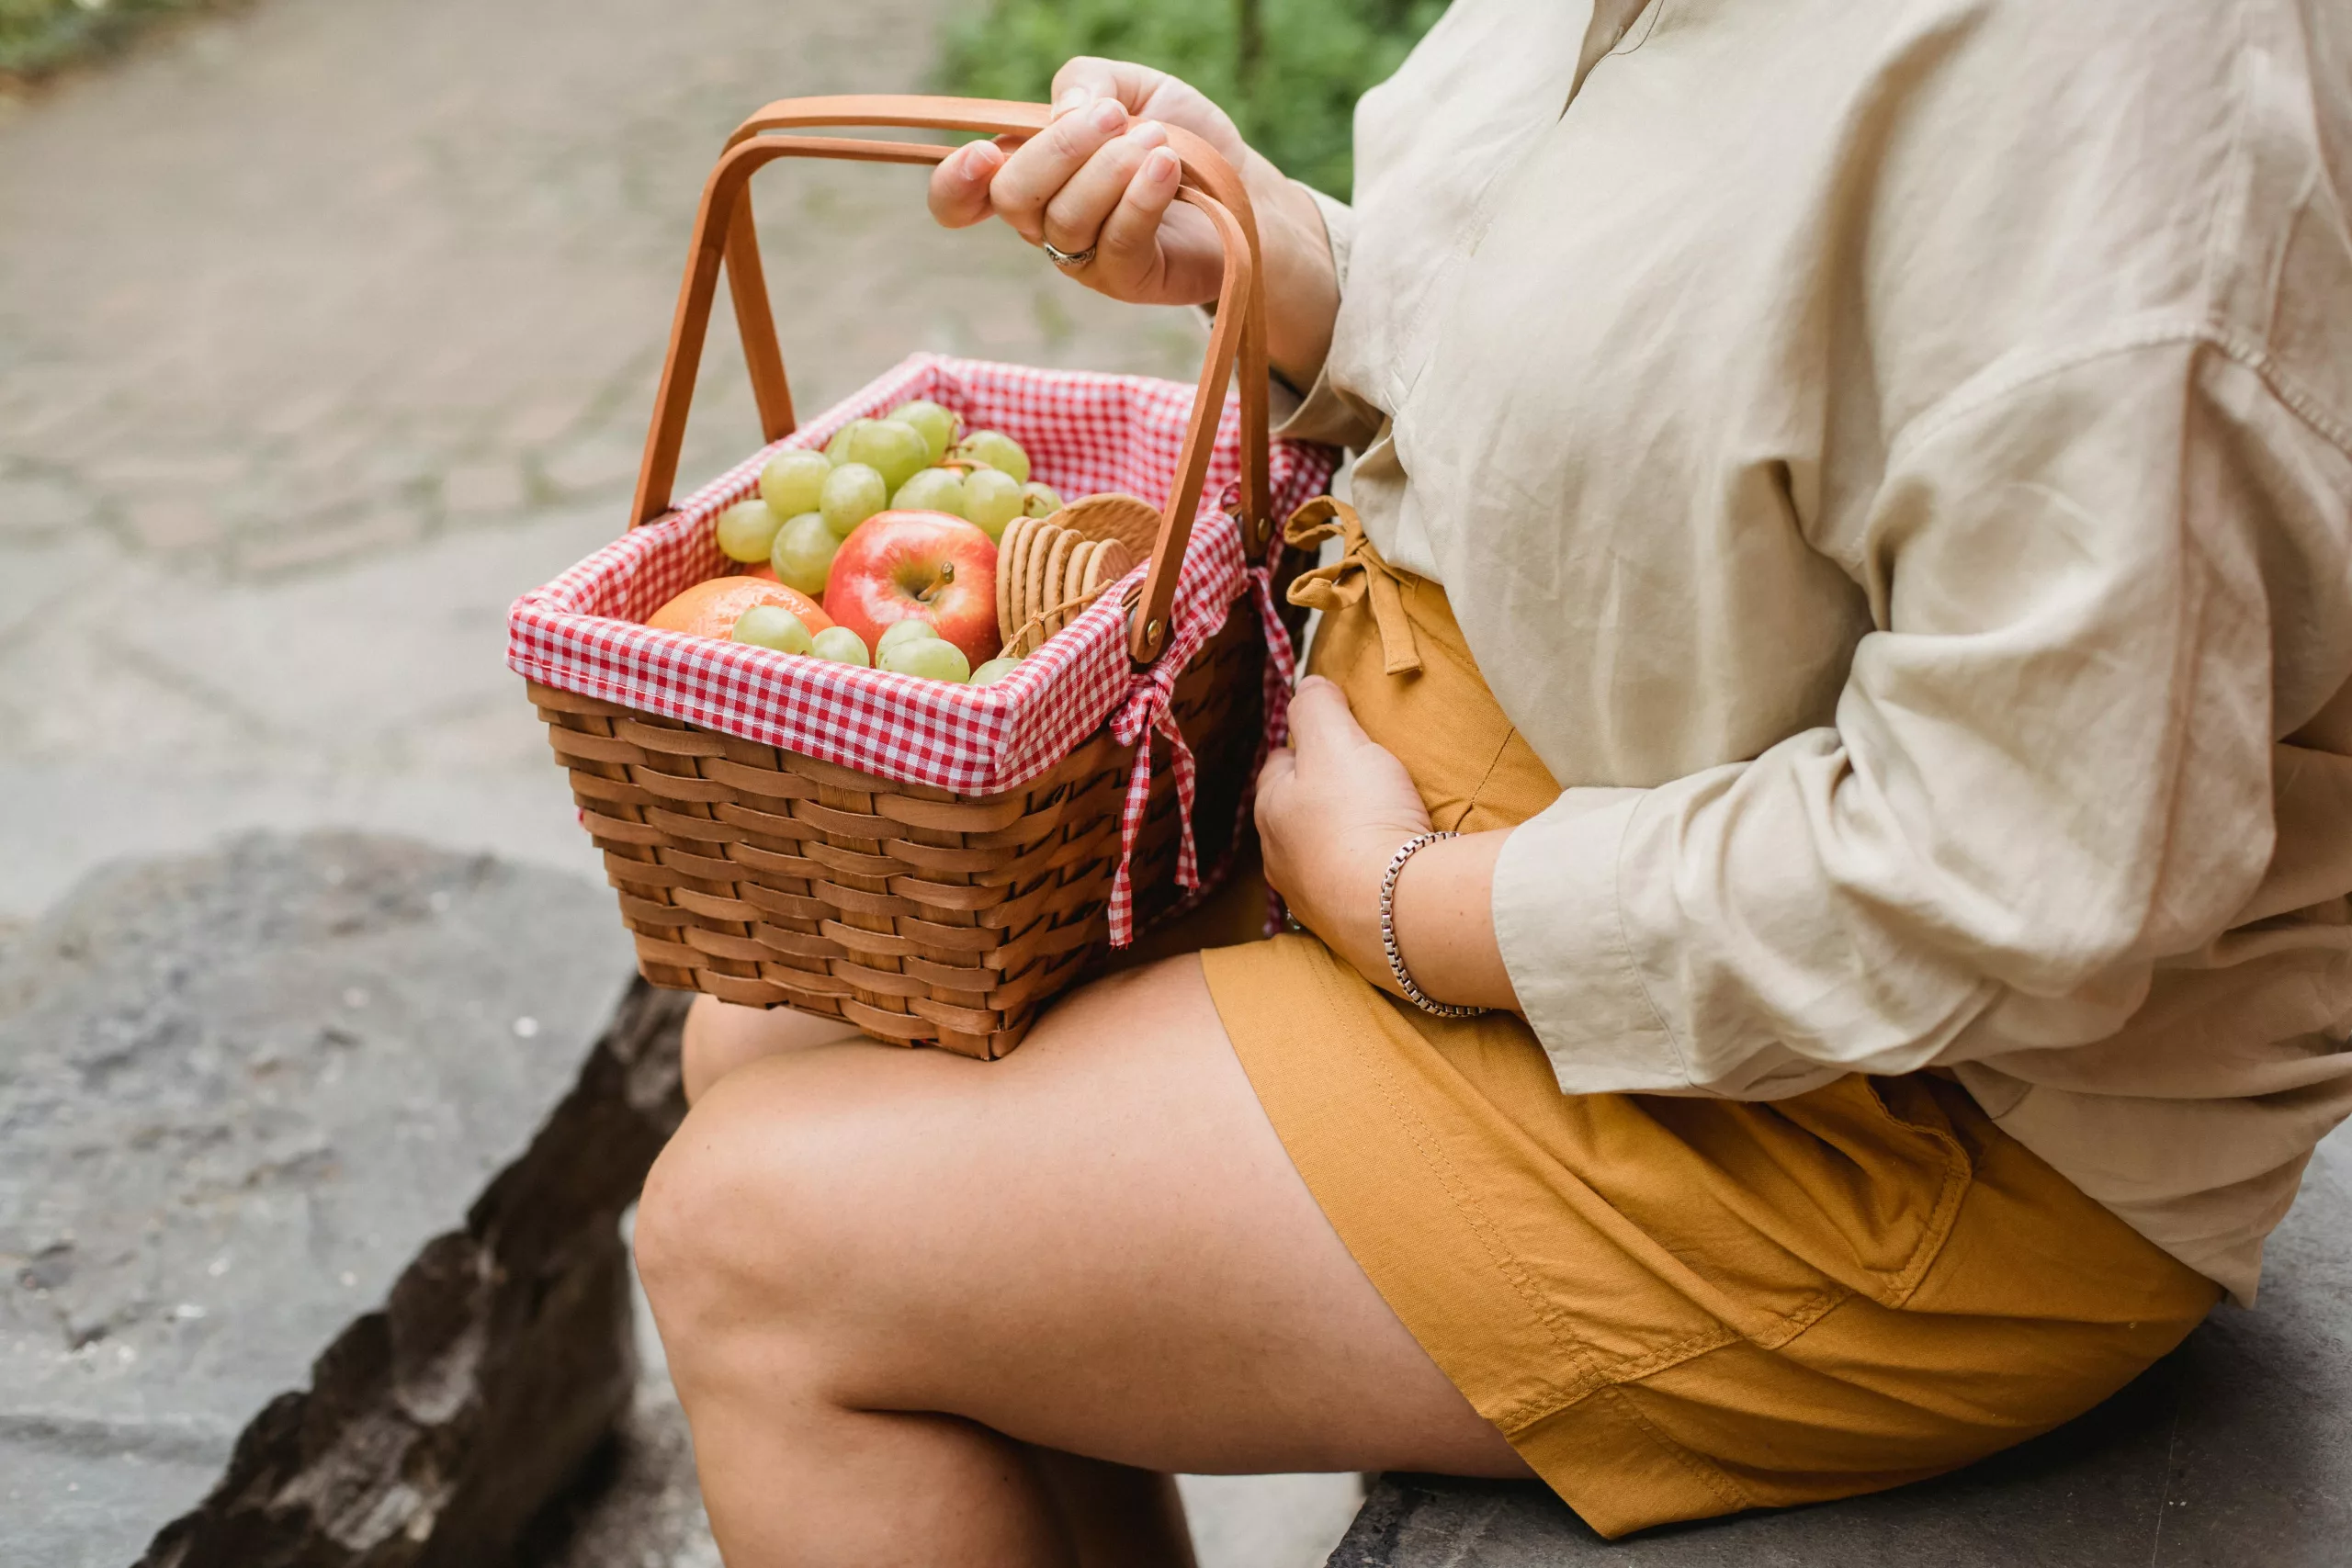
768 878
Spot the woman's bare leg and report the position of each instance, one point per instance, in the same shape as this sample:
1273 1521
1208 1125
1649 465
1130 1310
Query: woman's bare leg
721 1037
882 1274
1103 1509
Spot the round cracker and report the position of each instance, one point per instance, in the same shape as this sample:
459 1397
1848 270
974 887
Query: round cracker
1081 567
1049 580
1057 578
1112 562
1070 594
1021 599
1008 563
1016 593
1042 540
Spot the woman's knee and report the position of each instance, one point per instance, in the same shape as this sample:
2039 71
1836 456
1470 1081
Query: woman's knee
724 1227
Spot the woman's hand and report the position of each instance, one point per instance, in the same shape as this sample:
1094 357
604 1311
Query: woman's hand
1332 809
1102 175
1102 178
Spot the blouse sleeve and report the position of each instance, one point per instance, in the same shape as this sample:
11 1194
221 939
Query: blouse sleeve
1324 412
2050 766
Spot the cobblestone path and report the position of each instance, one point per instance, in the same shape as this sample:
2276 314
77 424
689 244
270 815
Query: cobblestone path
325 328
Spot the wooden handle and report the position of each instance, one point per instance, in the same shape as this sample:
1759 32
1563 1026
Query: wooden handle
724 235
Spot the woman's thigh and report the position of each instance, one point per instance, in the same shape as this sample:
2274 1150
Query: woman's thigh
721 1037
1097 1245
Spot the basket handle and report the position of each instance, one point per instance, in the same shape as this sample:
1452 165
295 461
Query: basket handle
723 233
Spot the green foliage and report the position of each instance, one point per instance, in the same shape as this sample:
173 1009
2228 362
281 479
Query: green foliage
38 36
1294 100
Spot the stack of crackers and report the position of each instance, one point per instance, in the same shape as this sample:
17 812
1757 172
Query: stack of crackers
1049 569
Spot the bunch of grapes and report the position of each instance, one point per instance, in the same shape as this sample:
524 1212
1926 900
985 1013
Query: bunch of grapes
911 646
911 459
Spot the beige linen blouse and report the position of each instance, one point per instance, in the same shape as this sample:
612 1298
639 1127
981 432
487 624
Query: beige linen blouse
1894 463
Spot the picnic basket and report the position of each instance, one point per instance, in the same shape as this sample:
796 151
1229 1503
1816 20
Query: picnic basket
931 862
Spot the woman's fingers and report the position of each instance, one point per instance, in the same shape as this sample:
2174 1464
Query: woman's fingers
1129 250
1353 775
959 185
1074 215
1114 208
1040 167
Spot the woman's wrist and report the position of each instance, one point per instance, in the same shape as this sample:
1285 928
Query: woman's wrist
1333 809
1302 283
1443 918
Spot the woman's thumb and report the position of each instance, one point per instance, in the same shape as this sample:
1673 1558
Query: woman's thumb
1320 717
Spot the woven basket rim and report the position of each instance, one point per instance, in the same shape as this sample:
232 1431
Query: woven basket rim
971 740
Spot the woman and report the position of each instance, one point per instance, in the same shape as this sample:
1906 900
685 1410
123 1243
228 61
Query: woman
1856 541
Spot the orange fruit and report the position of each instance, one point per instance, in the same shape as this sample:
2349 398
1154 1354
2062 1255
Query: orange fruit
711 608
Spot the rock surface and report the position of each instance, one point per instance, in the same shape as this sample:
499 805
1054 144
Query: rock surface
314 1099
2235 1449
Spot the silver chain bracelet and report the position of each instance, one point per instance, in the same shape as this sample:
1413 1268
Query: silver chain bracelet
1413 993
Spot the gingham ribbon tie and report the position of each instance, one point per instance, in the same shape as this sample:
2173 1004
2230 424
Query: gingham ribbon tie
1359 570
1155 718
1281 669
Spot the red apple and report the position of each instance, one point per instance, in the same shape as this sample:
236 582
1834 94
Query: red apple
927 565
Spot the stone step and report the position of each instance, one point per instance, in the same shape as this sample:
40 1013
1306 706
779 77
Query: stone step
313 1153
2234 1450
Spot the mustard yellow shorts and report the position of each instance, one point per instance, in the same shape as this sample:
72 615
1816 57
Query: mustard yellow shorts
1673 1307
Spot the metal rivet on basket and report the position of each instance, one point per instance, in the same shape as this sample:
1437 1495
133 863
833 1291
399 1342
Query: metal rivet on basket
1151 631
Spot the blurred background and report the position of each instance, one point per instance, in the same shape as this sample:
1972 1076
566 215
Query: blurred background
327 328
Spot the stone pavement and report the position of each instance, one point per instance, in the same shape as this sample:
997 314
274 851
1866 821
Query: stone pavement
326 328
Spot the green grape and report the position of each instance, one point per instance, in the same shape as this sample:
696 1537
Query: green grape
995 670
803 553
931 490
772 625
842 646
837 450
938 427
998 450
890 447
934 659
898 634
1039 500
747 530
852 493
991 499
791 480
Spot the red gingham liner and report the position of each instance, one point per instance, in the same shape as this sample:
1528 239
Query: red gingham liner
1085 434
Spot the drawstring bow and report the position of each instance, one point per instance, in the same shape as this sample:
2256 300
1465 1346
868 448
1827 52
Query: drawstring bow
1359 570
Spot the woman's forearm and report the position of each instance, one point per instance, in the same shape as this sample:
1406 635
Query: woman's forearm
1445 922
1302 285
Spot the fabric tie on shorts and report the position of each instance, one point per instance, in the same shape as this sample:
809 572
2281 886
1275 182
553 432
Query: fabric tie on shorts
1360 571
